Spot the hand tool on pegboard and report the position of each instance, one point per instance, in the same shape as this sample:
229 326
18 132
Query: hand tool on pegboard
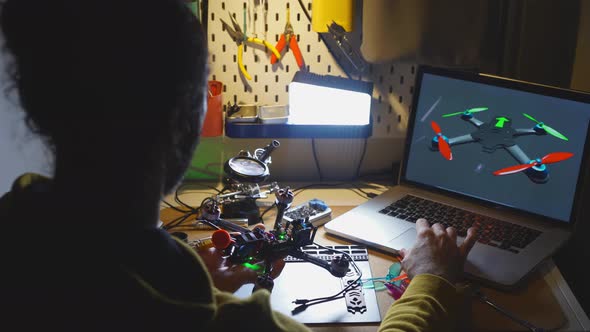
240 38
288 40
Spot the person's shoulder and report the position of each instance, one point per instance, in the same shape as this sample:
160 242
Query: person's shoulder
28 180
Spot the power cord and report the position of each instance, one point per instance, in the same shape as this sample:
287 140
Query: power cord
315 158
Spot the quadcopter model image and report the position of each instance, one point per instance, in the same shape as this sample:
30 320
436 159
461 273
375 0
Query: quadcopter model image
498 133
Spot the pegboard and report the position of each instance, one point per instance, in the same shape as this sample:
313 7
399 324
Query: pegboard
393 82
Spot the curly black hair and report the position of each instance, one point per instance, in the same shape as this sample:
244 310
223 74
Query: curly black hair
117 80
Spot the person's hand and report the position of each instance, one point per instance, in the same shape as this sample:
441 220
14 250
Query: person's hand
436 251
228 276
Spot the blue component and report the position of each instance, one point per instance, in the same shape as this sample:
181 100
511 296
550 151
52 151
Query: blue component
283 130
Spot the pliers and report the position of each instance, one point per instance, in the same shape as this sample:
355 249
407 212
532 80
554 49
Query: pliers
240 38
289 39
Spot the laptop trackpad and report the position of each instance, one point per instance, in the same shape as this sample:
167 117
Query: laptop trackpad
404 240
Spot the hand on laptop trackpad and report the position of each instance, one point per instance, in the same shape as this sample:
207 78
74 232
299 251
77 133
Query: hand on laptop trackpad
404 240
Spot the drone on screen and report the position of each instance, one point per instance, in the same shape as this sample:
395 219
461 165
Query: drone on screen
498 133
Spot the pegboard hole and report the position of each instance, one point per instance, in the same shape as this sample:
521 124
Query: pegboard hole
212 16
235 99
213 77
378 118
266 68
390 89
255 98
329 68
308 27
224 86
309 6
223 68
266 27
235 59
266 88
244 5
412 90
255 78
287 88
277 78
413 69
298 17
391 69
389 109
379 99
212 57
401 99
276 98
223 48
223 5
212 37
388 129
287 68
319 58
399 118
308 48
277 17
401 79
256 58
276 37
235 78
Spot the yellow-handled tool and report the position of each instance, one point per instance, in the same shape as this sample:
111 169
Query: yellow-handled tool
240 38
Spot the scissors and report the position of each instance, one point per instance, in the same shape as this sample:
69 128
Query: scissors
240 38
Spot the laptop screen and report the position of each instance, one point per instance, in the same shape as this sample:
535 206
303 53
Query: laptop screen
505 142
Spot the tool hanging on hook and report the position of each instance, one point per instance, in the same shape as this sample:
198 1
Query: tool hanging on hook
240 38
288 40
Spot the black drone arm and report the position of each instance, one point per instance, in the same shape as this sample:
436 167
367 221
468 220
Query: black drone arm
338 267
523 132
461 139
473 120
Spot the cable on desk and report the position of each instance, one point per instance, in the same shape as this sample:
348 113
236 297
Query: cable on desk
265 211
194 183
174 207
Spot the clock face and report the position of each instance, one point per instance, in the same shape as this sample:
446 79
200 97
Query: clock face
247 166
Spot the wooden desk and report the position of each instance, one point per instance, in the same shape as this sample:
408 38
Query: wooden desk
545 300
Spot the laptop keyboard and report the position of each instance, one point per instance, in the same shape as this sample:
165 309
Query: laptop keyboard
492 232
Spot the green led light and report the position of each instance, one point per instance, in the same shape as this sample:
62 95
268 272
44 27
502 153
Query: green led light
252 266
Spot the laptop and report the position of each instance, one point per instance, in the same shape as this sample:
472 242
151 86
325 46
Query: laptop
506 155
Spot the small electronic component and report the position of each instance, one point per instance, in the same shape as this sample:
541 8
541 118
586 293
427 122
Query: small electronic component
316 210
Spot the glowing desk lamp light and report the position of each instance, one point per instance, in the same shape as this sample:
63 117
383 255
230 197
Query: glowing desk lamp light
320 106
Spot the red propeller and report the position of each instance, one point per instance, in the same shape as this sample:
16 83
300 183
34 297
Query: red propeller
548 159
443 145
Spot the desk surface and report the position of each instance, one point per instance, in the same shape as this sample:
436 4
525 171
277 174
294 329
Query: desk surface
545 300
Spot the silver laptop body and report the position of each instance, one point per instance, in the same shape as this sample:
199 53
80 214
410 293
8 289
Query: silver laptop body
512 196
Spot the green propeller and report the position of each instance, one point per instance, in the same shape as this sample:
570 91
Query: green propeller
548 129
469 111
